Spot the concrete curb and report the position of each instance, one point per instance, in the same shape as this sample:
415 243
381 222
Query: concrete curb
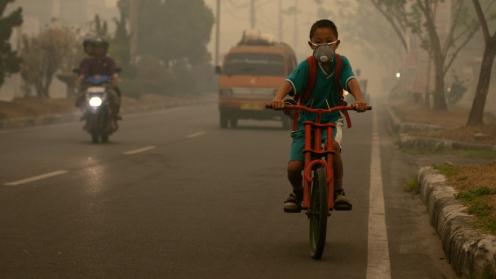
471 253
406 140
73 117
402 127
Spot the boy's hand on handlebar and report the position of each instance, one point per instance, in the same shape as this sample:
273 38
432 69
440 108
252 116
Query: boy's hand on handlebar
277 103
361 106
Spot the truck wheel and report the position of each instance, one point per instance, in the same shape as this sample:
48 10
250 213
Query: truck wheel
223 120
234 122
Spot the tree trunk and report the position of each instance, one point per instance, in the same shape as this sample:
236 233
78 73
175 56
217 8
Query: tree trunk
427 99
47 82
38 86
439 98
476 116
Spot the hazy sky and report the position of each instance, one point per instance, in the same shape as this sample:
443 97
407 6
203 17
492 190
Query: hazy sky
235 17
111 3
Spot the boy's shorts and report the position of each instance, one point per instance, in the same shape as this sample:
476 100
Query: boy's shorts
298 143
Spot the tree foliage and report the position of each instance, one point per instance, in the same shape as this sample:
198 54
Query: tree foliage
57 49
9 60
419 16
395 12
99 27
172 38
175 30
355 21
120 46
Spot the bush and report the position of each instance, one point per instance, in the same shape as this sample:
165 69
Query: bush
155 77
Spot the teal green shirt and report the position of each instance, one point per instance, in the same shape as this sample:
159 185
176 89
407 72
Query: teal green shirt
325 92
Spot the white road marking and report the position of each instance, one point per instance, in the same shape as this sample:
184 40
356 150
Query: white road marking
140 150
36 178
378 262
196 135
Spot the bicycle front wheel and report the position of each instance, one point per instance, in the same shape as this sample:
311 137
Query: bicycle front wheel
318 214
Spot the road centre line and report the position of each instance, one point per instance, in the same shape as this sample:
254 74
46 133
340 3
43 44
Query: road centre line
36 178
378 260
140 150
196 135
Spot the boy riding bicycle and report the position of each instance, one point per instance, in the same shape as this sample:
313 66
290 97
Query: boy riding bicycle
318 82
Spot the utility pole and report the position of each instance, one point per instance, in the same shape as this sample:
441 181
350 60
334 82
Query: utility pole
296 39
217 33
280 22
252 14
133 24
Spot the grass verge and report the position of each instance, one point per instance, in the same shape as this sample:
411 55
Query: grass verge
476 185
465 153
412 186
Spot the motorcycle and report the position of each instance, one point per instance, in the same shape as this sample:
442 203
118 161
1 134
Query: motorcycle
100 121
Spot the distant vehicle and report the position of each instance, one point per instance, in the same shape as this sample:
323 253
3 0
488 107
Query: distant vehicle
100 122
251 73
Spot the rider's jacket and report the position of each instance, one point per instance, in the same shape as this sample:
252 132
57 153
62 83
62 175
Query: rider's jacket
92 66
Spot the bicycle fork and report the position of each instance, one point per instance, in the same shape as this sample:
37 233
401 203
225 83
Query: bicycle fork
317 150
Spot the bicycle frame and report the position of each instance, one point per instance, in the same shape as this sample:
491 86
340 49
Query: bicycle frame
317 151
326 161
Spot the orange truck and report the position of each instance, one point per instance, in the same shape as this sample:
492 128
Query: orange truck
251 73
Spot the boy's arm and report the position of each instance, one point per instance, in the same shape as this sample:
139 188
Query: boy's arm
354 88
283 91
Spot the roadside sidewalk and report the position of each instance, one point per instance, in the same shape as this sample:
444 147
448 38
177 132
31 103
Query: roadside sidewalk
472 254
129 106
470 251
420 135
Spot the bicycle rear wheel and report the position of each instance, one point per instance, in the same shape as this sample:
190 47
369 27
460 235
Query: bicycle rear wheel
318 214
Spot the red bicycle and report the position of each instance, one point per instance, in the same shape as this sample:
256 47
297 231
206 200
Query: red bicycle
318 191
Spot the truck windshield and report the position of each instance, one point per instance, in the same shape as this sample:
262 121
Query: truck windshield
258 64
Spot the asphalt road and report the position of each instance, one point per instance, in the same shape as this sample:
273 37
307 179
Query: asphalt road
174 196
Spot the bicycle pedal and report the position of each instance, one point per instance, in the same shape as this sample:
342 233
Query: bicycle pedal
343 208
292 210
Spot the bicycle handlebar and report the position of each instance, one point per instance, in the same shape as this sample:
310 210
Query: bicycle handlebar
308 109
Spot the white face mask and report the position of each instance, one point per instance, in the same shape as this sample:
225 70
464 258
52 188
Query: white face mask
324 53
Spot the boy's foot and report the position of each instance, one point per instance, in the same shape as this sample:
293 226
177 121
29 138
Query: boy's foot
293 203
341 202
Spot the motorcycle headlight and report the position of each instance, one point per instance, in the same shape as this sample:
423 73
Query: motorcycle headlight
95 101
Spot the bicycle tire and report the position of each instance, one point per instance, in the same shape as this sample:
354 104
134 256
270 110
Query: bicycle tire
318 213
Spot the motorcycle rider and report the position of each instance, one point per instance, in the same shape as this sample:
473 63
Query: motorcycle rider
99 63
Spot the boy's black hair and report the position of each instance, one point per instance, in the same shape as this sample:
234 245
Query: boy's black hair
323 23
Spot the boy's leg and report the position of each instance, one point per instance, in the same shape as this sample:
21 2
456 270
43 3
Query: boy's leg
294 174
293 202
341 202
